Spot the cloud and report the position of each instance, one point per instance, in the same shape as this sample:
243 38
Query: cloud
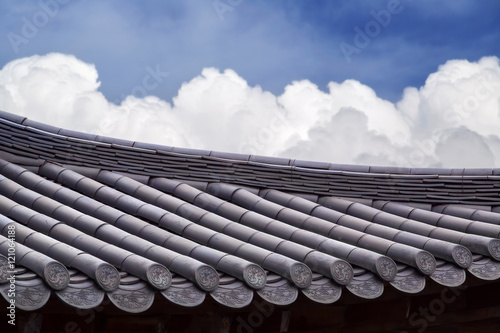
346 136
458 142
451 121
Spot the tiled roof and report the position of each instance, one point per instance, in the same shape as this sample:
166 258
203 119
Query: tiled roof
96 216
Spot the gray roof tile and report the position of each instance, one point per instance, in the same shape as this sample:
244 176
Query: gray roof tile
211 198
189 151
10 117
229 156
77 136
152 146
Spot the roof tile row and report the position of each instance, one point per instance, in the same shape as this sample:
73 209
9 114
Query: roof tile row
123 218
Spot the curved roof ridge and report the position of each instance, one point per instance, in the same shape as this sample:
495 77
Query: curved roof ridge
260 159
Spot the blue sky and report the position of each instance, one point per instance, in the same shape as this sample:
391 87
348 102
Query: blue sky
269 43
411 83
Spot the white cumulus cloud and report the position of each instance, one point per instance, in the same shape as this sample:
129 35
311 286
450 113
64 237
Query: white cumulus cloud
453 120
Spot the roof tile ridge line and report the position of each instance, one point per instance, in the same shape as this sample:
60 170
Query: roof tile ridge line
11 116
84 136
43 215
188 185
128 255
133 144
473 212
79 229
106 286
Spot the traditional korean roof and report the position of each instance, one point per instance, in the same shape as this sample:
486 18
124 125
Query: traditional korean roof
96 216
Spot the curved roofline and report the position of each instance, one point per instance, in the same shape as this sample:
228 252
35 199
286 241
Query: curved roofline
133 220
280 162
